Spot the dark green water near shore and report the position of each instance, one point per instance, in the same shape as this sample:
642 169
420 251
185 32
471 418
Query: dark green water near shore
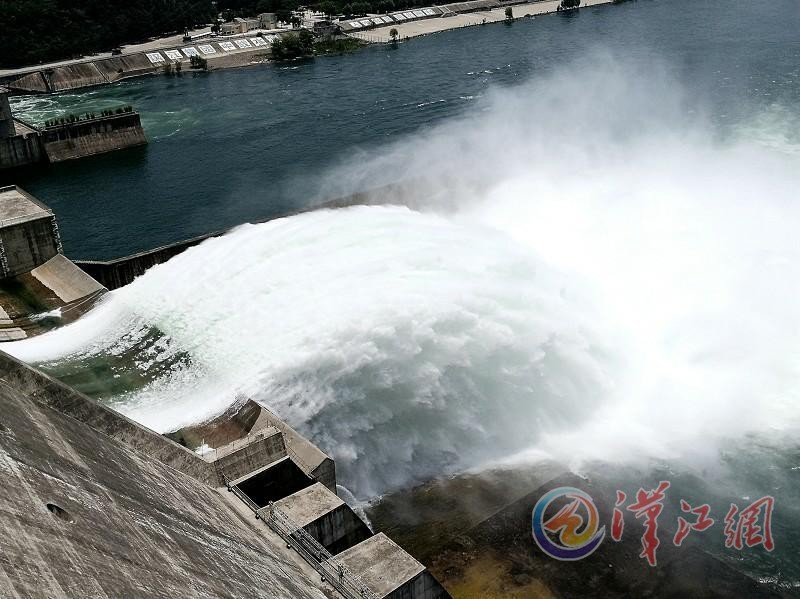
242 145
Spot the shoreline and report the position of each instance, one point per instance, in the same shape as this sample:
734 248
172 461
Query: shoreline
413 29
84 73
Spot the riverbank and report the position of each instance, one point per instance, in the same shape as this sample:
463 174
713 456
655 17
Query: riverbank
236 51
466 19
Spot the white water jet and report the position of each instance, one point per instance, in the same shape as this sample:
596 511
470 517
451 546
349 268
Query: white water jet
600 277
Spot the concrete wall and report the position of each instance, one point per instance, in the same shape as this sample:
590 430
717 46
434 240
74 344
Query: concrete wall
118 273
30 83
339 529
86 138
276 481
74 76
27 245
85 515
423 586
249 454
121 67
7 127
67 400
20 150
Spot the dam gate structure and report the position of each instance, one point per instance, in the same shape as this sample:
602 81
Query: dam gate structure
92 489
98 505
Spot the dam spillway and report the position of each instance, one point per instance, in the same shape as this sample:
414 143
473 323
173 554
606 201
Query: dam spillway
265 469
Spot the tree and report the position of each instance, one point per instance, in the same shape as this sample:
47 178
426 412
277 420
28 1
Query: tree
570 4
36 31
328 8
509 15
198 62
296 21
393 34
293 45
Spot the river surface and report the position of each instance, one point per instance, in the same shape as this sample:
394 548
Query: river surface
242 145
604 269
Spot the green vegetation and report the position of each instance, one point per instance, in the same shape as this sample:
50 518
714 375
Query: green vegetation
72 118
198 62
569 4
393 34
293 45
37 31
509 15
339 45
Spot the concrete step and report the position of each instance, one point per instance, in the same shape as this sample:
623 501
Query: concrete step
325 517
389 571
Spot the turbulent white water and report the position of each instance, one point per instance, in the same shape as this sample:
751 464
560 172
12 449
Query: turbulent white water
599 276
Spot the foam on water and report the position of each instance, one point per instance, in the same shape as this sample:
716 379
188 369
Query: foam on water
602 275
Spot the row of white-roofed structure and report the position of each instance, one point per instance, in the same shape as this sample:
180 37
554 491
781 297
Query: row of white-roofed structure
362 23
209 49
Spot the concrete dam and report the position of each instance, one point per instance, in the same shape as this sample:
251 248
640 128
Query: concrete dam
98 505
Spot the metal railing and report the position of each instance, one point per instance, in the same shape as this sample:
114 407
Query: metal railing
333 572
243 496
348 584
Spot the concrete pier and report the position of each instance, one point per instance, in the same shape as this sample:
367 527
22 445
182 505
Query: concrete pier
389 571
86 515
7 128
326 517
35 277
23 145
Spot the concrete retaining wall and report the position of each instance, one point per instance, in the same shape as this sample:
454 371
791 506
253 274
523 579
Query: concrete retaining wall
86 138
67 400
20 151
27 245
249 454
30 83
338 530
74 76
114 274
120 67
85 516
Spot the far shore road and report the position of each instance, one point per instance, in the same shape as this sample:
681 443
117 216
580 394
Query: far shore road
427 26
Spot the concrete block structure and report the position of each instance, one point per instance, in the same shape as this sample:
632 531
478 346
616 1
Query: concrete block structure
28 233
326 517
268 20
19 143
35 277
389 571
88 515
96 505
242 457
23 145
92 136
7 128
